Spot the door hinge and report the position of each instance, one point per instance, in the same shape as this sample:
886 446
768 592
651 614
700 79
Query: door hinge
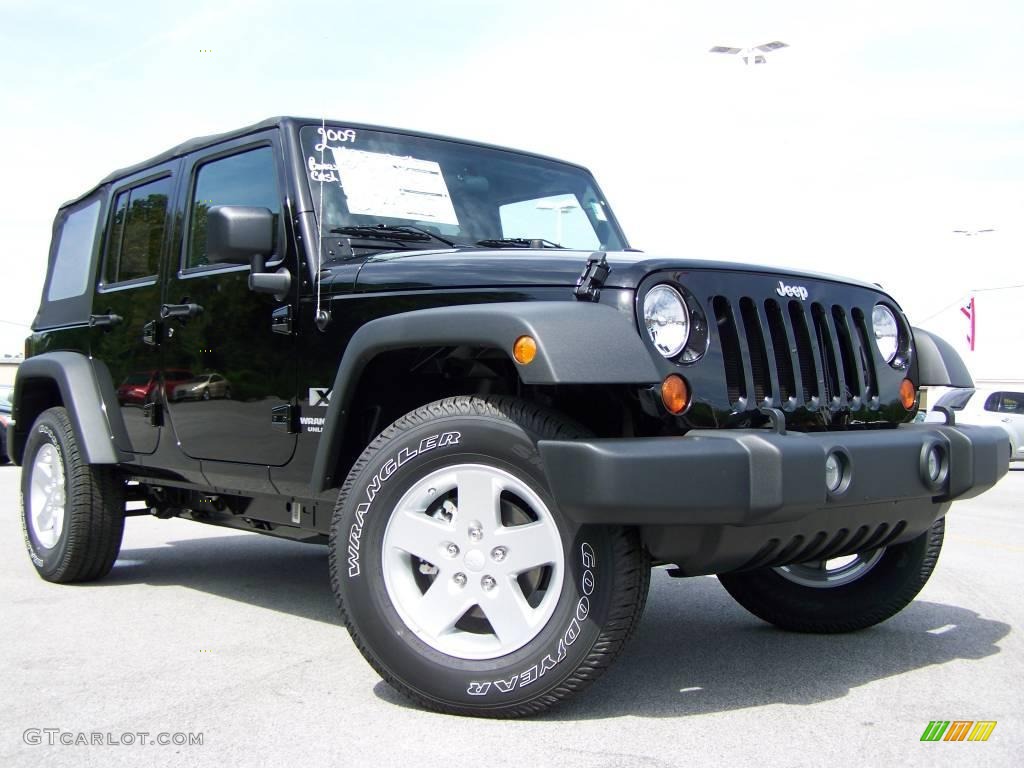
154 413
281 320
151 333
588 287
285 417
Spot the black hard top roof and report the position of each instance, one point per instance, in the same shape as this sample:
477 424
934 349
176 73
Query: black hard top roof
201 142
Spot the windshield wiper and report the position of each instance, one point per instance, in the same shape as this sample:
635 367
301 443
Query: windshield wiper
400 234
518 242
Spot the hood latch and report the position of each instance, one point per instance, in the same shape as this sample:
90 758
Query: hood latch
588 287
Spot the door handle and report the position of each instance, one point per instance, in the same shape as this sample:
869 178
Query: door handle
168 311
104 321
1005 420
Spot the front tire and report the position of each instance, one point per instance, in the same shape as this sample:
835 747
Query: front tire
458 577
72 512
858 593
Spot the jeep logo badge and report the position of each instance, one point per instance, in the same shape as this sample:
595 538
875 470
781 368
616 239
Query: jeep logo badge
792 290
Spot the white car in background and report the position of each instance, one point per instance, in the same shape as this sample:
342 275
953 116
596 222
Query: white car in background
987 407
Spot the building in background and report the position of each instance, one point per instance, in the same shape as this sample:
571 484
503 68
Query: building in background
9 368
985 327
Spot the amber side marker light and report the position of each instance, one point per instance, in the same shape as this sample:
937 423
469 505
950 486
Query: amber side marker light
908 394
524 350
675 393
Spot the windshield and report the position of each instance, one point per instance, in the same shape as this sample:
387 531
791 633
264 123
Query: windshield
462 192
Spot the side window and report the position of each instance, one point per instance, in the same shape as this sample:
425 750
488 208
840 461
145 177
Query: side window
992 403
69 275
248 178
1012 402
137 232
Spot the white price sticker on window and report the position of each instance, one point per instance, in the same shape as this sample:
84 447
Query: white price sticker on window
377 184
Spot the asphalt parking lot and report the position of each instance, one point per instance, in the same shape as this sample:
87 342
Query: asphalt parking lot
235 636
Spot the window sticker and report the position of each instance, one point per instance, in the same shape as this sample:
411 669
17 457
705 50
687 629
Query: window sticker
377 184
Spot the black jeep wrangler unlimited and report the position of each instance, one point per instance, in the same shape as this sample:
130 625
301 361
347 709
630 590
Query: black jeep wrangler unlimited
443 360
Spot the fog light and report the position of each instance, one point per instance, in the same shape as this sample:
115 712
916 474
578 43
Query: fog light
833 472
524 350
935 464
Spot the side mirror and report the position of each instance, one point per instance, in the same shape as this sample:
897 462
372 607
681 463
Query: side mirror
237 234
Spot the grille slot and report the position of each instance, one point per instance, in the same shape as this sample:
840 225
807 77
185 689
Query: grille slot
850 369
826 351
780 345
730 349
758 355
866 357
808 370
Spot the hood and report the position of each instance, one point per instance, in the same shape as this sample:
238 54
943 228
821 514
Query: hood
520 267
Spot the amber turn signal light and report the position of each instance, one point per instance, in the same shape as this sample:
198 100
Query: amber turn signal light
675 393
524 350
908 394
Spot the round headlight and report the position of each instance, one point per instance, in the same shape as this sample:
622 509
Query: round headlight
667 319
887 332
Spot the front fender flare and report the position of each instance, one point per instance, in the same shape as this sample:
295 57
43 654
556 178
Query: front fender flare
577 343
938 364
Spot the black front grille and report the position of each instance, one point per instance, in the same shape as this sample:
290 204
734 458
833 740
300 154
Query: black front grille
788 354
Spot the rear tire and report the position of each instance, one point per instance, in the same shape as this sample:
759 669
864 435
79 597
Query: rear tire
458 578
870 590
72 512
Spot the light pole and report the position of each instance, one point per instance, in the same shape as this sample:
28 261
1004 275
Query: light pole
560 210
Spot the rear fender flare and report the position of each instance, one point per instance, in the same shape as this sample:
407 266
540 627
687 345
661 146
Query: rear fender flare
88 394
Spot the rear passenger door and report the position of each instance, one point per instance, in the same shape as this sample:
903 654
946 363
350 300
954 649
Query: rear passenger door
228 332
1009 409
126 304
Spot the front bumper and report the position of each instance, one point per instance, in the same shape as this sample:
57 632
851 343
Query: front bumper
735 491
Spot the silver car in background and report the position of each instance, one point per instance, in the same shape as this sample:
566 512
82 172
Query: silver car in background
1001 407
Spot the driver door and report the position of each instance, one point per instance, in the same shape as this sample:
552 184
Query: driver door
218 330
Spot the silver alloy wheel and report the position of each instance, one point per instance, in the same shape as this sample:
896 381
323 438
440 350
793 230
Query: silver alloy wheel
47 496
462 575
827 574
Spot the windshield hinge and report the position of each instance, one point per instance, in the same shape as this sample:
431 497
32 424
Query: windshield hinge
588 287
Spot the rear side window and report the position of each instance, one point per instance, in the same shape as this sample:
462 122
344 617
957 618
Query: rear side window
137 232
69 275
1012 402
248 178
956 399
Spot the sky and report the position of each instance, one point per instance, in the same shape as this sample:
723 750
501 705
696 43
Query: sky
857 150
